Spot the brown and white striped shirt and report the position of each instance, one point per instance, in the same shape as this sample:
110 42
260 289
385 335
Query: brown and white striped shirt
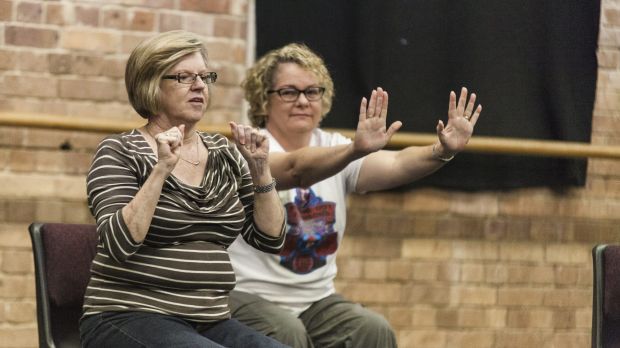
182 266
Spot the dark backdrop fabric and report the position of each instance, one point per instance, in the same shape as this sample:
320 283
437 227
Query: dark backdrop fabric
532 64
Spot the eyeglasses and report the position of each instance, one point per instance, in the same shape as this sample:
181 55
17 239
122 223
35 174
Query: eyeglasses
291 94
190 78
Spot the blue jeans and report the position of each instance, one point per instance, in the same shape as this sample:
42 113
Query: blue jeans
142 329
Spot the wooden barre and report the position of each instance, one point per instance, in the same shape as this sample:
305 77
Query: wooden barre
479 144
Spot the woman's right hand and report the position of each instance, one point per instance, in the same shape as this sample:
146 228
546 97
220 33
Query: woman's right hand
371 134
253 146
169 145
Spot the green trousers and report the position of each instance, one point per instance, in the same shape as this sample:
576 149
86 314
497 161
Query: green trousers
330 322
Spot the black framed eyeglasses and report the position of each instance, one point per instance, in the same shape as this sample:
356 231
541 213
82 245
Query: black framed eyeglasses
291 94
190 78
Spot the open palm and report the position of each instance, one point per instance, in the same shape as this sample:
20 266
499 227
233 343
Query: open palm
371 134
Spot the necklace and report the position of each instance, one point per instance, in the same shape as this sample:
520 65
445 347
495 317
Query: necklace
197 162
194 163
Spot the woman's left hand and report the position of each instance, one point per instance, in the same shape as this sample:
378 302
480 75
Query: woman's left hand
461 122
253 145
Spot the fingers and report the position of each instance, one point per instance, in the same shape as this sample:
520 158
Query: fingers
173 137
394 127
247 137
440 126
376 107
452 104
371 105
363 105
384 107
470 106
476 114
460 108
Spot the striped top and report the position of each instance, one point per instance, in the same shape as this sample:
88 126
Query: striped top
182 266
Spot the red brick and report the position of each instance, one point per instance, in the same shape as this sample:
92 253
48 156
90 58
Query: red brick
59 63
91 40
170 21
17 262
86 15
211 6
522 296
142 21
200 24
22 160
567 298
21 210
424 271
6 10
8 59
399 269
375 269
29 12
55 14
115 18
520 338
21 312
34 37
571 340
77 212
228 27
564 319
478 339
87 90
30 86
611 16
49 210
20 336
349 268
17 287
400 317
367 292
114 67
158 4
426 294
32 61
89 65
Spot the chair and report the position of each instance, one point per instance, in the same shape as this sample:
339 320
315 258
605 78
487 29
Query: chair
606 296
62 257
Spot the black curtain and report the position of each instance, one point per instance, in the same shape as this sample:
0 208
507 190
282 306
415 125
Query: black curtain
532 64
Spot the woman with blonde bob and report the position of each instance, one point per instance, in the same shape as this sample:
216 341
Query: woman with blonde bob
169 199
291 296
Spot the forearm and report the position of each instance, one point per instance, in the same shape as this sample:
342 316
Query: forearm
268 212
309 165
388 169
138 213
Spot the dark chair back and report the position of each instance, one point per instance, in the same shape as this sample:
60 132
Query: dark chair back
62 257
606 296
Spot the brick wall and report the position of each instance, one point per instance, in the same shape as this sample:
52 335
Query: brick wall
448 269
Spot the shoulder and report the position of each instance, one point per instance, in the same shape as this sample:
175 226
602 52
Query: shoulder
130 144
214 141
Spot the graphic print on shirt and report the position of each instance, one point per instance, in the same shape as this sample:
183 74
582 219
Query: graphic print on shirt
310 237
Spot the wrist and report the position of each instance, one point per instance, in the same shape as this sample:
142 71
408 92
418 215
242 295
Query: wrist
265 188
438 153
356 153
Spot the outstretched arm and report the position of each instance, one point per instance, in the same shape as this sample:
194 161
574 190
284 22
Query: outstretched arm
387 169
306 166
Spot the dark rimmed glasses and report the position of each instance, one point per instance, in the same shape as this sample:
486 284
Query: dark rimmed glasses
189 78
291 94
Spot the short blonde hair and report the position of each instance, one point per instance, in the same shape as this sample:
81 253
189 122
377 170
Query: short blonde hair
150 60
260 78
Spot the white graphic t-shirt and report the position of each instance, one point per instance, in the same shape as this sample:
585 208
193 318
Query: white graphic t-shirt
304 271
